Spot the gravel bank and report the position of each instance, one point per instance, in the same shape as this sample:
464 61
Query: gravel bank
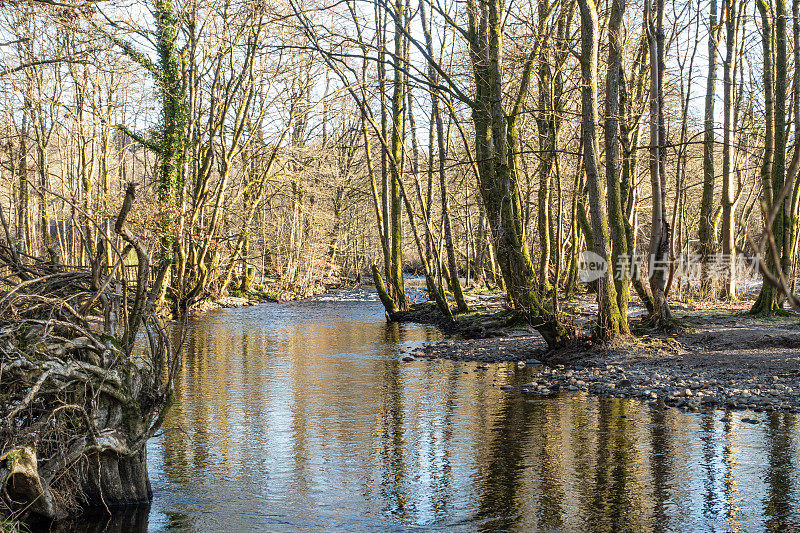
719 359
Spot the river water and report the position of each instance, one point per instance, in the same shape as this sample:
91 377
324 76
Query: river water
301 417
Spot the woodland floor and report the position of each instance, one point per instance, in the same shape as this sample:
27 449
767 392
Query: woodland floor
718 356
709 335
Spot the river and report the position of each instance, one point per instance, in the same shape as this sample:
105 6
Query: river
301 417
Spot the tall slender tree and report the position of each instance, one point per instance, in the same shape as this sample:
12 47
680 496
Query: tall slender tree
620 258
610 322
659 229
706 233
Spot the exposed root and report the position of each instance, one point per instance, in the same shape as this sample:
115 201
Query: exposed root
85 374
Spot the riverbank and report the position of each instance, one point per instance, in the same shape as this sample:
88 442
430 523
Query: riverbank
718 357
270 294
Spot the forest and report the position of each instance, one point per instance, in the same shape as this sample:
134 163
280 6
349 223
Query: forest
157 156
279 147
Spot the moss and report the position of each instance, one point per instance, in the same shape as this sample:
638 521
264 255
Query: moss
669 325
164 410
10 457
12 526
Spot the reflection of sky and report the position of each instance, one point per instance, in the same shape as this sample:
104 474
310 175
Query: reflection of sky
299 416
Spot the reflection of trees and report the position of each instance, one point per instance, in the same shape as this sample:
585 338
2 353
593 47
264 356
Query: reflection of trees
605 470
391 334
437 444
707 437
617 504
187 448
408 482
661 452
499 498
547 423
731 488
126 520
778 507
301 477
264 398
394 474
394 486
252 370
392 443
582 444
443 485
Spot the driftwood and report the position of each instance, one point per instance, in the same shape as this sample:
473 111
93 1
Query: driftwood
86 372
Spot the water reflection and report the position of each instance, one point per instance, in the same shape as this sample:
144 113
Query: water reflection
300 416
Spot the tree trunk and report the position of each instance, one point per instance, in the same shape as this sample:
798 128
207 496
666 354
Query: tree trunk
452 265
495 146
620 256
659 238
728 151
398 126
609 318
629 135
706 235
767 301
545 122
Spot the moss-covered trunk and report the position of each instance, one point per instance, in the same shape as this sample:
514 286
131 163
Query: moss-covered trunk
728 289
767 300
705 234
610 321
496 146
619 265
398 128
436 115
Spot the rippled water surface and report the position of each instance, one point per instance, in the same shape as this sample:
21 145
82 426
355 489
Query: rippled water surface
300 417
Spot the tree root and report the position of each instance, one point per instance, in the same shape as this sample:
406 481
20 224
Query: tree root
79 398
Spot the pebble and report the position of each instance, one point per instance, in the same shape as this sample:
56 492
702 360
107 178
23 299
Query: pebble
409 359
669 386
661 386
